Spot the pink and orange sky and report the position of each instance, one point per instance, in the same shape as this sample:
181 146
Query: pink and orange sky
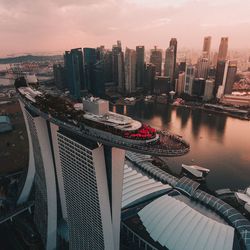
55 25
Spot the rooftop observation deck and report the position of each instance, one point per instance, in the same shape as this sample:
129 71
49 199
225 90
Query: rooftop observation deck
143 139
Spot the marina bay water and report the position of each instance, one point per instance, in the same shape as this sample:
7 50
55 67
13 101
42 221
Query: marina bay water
218 142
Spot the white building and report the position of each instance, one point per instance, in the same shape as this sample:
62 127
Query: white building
95 106
88 177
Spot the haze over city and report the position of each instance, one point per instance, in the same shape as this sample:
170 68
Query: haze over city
47 26
124 124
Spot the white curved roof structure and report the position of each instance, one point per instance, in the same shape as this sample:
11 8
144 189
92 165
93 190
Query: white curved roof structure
179 227
136 186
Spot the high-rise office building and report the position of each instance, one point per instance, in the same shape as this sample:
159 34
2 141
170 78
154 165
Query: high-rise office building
76 163
130 70
98 80
206 46
100 52
118 66
229 73
219 73
189 78
214 57
202 67
180 83
59 76
140 64
108 66
121 73
173 42
170 62
198 87
182 67
222 55
209 88
73 63
90 59
212 72
149 78
162 85
156 59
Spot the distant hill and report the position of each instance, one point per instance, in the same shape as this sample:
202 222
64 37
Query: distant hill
29 58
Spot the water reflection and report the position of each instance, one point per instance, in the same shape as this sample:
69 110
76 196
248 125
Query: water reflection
183 114
218 142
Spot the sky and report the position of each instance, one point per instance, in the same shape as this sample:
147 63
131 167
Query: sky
28 26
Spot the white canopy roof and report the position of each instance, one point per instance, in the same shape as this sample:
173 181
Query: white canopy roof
136 186
179 227
243 196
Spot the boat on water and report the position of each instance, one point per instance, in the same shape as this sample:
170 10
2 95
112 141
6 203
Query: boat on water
197 172
244 198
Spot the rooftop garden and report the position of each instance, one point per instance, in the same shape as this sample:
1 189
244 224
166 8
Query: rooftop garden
58 107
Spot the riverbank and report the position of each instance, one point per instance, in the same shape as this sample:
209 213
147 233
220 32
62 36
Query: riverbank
245 117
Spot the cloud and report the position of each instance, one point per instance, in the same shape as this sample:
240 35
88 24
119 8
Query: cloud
28 25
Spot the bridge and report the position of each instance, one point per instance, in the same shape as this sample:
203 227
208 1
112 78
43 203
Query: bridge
19 210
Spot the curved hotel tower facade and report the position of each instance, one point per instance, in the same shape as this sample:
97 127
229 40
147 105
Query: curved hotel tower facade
76 167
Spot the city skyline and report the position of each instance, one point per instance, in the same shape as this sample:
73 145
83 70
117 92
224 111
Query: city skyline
61 24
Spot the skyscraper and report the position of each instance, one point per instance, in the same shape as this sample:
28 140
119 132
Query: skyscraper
140 57
202 67
59 76
180 83
229 73
222 55
156 59
121 73
170 62
173 42
130 70
209 88
73 62
98 80
219 73
118 66
198 87
90 59
206 46
149 78
108 66
189 78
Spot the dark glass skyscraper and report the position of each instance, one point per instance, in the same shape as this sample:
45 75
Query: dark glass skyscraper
94 71
118 66
231 73
59 76
73 61
173 42
90 59
149 77
156 59
140 56
219 75
222 55
198 87
97 86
